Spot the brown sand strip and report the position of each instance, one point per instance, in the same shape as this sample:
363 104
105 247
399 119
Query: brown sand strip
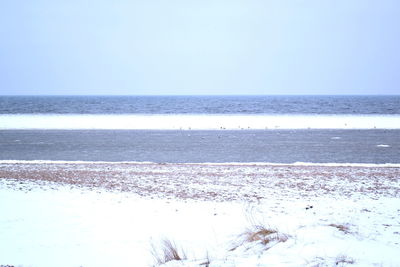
208 181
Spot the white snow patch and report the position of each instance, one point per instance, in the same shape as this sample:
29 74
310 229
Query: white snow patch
40 226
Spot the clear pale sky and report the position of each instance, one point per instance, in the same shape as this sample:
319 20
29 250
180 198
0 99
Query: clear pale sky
199 47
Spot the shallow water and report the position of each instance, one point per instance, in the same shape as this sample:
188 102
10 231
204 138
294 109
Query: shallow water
276 146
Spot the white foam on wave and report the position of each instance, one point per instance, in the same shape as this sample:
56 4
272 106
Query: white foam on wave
332 164
383 146
196 122
12 161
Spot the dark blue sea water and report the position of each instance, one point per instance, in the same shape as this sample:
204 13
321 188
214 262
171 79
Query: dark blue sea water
200 104
276 146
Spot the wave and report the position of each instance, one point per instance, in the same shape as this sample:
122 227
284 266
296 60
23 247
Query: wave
370 165
196 122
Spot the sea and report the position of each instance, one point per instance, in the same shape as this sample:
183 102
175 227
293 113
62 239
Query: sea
201 129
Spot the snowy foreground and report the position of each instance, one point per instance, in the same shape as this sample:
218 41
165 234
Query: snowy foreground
58 223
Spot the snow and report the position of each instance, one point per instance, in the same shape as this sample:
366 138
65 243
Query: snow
57 223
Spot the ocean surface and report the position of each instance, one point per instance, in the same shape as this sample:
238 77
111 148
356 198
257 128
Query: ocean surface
274 129
200 105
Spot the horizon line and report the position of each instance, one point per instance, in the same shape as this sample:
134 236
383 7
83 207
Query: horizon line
188 95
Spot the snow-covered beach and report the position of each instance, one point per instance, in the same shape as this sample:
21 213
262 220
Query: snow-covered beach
118 214
199 133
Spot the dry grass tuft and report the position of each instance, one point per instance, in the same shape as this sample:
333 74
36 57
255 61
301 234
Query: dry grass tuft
169 252
264 235
260 233
341 227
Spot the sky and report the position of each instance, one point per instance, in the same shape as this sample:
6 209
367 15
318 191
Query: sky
185 47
